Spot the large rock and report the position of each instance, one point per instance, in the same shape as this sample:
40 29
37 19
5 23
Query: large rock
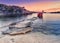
12 11
17 31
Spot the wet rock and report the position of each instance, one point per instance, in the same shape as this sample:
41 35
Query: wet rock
17 31
25 23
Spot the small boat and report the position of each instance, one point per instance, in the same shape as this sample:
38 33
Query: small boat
40 15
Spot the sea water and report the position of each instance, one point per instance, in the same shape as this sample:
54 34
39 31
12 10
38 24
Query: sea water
51 22
48 25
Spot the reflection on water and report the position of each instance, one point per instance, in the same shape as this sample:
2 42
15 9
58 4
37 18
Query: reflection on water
52 23
47 17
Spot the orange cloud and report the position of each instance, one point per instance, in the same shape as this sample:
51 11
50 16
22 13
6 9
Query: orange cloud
38 6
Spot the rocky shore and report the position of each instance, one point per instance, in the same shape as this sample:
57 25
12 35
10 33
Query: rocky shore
12 11
36 37
30 37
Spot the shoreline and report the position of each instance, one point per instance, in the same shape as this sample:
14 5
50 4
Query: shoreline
36 37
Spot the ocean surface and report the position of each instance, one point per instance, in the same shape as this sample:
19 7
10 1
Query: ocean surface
48 25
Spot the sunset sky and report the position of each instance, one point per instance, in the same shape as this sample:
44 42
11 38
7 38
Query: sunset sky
34 5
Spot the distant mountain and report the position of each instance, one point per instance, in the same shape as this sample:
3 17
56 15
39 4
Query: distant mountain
53 10
6 11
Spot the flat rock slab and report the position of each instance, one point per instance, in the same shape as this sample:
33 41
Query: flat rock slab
21 24
17 31
35 37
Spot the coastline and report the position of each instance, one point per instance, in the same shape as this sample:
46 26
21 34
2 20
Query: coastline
35 37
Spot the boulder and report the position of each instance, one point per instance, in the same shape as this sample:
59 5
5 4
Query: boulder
17 31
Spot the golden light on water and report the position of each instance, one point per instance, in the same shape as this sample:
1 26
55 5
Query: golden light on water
51 17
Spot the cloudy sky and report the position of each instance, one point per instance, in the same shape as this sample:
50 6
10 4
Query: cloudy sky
33 5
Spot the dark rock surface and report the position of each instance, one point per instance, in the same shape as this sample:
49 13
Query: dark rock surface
11 11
